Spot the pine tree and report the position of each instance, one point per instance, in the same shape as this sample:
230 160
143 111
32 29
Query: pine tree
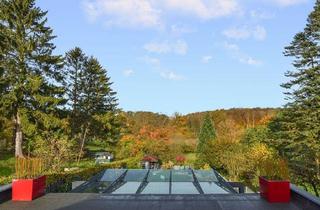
93 103
206 137
74 67
297 128
30 71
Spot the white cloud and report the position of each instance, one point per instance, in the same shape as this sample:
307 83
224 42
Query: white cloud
258 32
123 12
237 33
158 47
202 8
128 72
249 60
206 59
179 47
170 75
151 13
285 3
241 56
151 60
260 14
178 30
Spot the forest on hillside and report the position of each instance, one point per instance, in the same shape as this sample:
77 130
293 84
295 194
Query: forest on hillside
61 108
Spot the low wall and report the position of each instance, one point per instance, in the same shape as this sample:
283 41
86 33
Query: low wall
5 193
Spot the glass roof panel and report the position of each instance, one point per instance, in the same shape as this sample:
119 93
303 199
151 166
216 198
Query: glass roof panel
135 175
205 176
111 175
183 188
99 187
128 188
182 176
212 188
159 176
156 188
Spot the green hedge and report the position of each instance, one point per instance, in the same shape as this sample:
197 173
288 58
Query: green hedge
61 182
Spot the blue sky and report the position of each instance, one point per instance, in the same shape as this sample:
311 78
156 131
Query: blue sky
184 55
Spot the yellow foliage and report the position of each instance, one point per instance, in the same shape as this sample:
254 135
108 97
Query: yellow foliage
168 165
205 167
259 152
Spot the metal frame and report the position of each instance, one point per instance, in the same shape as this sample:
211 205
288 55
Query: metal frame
196 183
94 181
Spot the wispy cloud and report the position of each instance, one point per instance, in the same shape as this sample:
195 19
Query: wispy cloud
178 30
128 72
285 3
163 72
151 13
179 47
201 8
170 75
151 60
258 33
206 59
261 14
127 13
242 57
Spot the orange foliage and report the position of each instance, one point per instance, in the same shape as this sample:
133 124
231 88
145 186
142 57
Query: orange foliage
265 119
154 133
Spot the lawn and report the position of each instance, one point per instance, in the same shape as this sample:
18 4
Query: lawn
7 168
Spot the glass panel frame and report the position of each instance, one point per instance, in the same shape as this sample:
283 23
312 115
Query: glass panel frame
205 176
128 188
111 175
135 175
160 188
183 188
159 176
182 176
212 188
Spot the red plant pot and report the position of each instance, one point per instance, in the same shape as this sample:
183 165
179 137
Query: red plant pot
274 191
28 189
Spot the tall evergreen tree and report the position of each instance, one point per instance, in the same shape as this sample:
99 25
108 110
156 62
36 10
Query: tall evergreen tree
206 137
30 71
93 103
297 128
75 63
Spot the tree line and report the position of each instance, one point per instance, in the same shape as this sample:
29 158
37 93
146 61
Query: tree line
291 137
52 105
49 101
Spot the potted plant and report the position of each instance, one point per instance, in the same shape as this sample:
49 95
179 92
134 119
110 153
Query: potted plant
28 184
275 184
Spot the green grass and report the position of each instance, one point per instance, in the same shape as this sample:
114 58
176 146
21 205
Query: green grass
7 168
190 158
7 165
84 163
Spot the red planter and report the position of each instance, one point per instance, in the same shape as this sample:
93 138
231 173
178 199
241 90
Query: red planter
28 189
274 191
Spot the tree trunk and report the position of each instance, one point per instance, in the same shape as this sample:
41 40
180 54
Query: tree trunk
82 142
18 136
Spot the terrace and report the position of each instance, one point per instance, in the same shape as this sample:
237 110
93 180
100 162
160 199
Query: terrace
161 189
